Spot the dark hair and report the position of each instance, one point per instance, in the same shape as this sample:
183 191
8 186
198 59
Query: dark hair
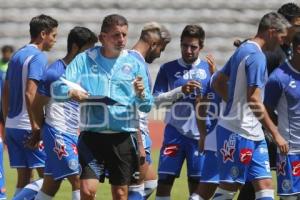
194 31
273 20
296 40
80 36
113 20
6 48
289 11
41 23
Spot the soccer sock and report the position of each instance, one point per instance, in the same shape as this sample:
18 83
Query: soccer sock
195 196
222 194
288 197
136 192
150 186
42 196
267 194
162 198
17 191
30 190
76 195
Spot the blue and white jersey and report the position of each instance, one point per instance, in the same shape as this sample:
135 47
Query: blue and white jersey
245 68
29 62
174 75
213 112
63 116
143 117
283 95
113 78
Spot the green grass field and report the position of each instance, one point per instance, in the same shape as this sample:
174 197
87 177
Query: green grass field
179 192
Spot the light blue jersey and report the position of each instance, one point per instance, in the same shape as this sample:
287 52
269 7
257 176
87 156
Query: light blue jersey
246 68
113 78
27 63
283 95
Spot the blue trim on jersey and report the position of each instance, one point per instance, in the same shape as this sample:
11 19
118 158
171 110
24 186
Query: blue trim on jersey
27 63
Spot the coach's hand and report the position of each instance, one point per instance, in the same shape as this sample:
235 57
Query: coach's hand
139 87
78 95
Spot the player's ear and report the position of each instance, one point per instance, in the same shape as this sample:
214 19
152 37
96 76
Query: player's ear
43 34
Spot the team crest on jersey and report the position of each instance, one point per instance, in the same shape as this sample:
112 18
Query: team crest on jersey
171 150
60 149
95 69
228 149
127 69
246 156
296 168
286 185
280 167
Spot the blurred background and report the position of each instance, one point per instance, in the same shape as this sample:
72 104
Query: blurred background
223 20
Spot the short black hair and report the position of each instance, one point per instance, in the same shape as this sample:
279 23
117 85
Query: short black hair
194 31
289 11
41 23
80 36
296 39
113 20
7 48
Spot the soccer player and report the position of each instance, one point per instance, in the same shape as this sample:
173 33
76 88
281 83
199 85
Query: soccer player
282 95
107 139
25 70
176 86
242 150
153 40
291 12
60 126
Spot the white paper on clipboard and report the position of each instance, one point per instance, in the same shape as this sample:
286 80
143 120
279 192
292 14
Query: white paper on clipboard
72 85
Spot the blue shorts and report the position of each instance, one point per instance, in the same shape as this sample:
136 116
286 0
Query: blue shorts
61 151
241 159
288 174
147 146
209 169
21 156
176 148
2 177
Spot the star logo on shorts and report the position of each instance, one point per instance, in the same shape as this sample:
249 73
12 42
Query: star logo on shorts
60 150
280 168
227 152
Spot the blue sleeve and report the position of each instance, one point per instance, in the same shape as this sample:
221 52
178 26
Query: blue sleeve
255 68
161 84
273 91
60 90
37 66
226 69
144 104
48 78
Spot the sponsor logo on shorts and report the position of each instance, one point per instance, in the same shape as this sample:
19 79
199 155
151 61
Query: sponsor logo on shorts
246 156
73 164
286 185
296 168
171 150
280 168
41 146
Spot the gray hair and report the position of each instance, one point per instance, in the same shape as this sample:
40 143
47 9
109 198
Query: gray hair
273 20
